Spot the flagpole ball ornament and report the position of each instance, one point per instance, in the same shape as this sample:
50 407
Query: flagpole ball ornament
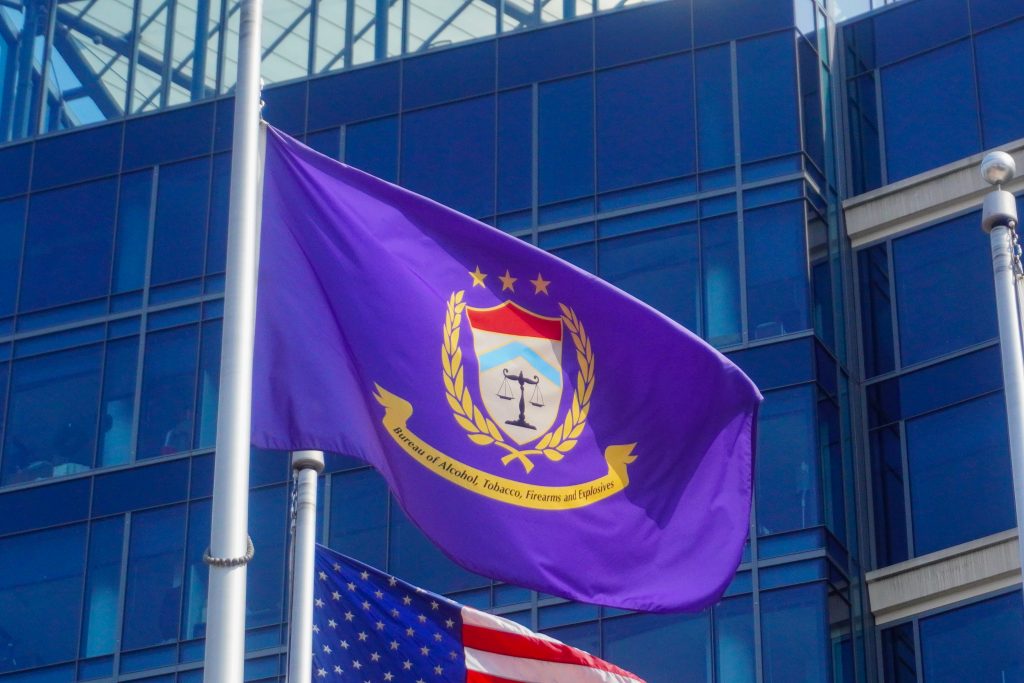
999 207
998 168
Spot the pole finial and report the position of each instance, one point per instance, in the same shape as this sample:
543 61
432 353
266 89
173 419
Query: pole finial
998 168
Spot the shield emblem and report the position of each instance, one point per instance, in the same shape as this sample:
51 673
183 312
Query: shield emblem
519 354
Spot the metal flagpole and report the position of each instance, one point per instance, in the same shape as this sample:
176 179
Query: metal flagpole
230 547
999 220
307 465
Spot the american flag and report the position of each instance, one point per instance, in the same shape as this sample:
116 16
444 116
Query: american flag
369 627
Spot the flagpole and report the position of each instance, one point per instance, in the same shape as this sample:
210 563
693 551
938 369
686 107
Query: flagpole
230 547
999 220
307 465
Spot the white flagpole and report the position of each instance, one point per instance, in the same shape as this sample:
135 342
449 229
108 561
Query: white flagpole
999 220
230 548
307 465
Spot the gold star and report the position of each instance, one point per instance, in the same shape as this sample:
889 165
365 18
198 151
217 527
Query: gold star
507 281
478 277
540 284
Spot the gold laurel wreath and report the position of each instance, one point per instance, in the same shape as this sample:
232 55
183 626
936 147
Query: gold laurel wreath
483 431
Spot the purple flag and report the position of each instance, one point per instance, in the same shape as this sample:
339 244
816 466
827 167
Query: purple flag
539 425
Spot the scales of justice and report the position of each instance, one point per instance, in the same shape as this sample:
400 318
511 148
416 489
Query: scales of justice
536 398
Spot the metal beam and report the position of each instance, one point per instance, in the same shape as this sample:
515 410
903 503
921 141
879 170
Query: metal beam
71 55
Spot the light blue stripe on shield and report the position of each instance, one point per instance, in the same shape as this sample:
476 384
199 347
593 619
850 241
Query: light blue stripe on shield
515 350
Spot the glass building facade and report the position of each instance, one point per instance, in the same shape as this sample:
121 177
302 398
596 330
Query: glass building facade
707 156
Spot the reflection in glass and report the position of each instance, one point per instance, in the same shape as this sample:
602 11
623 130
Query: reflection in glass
788 489
181 212
979 642
51 421
565 139
268 523
899 654
660 648
642 264
734 640
209 386
418 561
168 392
944 292
21 49
196 578
714 107
12 231
359 516
68 245
961 444
154 579
40 596
133 211
793 640
776 259
117 407
103 587
721 273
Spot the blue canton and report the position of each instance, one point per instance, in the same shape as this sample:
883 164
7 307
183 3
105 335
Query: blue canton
373 628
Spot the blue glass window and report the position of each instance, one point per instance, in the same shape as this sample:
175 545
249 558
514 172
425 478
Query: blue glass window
41 590
51 420
208 391
197 573
988 13
917 137
716 21
582 256
265 595
566 139
768 99
979 642
418 561
714 107
168 391
545 54
14 160
889 496
133 212
777 286
660 648
876 310
899 654
645 263
515 150
787 473
68 245
448 155
810 98
999 53
152 600
373 147
734 640
353 96
80 156
359 515
794 646
117 407
719 244
961 444
863 135
664 26
103 587
147 142
12 231
180 232
645 123
428 80
42 506
944 291
935 23
217 237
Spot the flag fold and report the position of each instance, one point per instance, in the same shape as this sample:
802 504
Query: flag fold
539 425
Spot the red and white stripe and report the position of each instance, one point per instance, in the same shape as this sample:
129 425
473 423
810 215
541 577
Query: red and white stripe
501 651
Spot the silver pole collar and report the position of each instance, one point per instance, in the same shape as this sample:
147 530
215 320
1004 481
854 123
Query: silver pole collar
308 460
